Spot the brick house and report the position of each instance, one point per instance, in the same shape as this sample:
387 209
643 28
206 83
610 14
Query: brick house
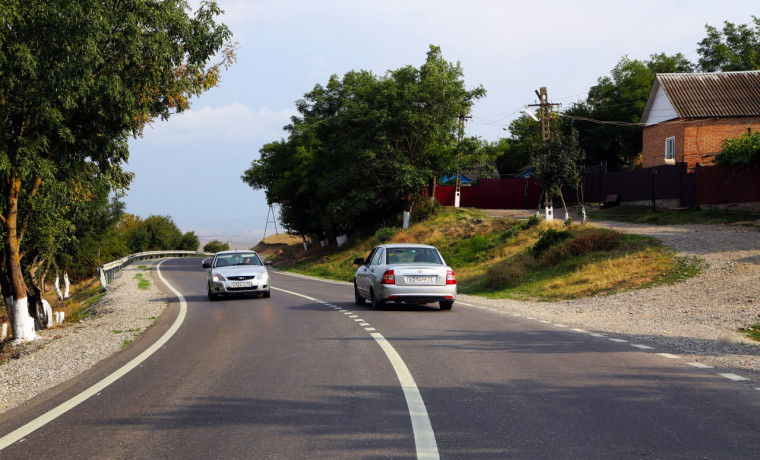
688 115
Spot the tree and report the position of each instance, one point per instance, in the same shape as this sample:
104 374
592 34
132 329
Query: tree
363 147
77 78
216 246
525 137
733 48
558 162
607 121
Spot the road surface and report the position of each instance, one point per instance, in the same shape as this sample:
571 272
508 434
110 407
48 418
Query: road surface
309 374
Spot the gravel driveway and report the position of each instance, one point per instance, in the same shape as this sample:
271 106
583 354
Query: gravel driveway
695 320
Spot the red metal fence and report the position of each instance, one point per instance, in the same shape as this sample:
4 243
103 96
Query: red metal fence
708 185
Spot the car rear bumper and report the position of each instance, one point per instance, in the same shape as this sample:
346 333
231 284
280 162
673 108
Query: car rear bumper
417 294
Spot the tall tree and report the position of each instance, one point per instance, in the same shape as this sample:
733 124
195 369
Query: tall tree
363 147
558 163
733 48
77 78
607 121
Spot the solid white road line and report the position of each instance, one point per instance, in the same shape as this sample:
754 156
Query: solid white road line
424 437
51 415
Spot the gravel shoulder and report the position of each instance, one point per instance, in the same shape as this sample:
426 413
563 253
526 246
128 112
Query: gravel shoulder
696 319
64 351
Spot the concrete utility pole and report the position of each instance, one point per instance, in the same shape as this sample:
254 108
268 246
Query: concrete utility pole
545 108
458 183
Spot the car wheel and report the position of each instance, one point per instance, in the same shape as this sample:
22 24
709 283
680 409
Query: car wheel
376 304
358 299
266 294
446 304
210 294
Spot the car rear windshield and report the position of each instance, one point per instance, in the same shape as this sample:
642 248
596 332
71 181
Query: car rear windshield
413 256
226 260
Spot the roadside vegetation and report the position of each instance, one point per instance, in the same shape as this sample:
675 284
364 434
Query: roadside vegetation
518 259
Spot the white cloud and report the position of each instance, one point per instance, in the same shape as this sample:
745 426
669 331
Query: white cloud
231 123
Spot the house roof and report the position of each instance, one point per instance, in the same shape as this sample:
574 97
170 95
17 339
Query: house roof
704 95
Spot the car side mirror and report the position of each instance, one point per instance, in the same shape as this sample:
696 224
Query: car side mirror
358 261
267 262
206 264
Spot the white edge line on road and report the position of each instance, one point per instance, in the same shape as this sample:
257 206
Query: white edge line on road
424 437
61 409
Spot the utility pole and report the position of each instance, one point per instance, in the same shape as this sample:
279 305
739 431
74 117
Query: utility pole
458 183
273 220
545 108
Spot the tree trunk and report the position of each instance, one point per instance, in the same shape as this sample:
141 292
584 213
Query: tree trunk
23 324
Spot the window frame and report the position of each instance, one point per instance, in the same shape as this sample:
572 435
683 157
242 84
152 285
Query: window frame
670 142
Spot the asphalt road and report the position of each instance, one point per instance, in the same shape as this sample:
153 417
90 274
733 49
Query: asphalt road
308 374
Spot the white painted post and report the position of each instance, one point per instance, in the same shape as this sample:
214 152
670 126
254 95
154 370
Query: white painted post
550 213
406 218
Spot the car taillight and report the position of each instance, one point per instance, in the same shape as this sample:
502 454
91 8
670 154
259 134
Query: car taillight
389 277
450 277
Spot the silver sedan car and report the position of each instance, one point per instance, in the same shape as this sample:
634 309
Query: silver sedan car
236 273
412 273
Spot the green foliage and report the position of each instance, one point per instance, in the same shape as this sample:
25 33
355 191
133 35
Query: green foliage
142 282
558 163
384 234
740 151
548 238
733 48
363 147
616 102
77 79
525 138
215 246
752 332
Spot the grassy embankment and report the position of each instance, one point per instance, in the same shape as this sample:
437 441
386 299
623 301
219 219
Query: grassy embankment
519 259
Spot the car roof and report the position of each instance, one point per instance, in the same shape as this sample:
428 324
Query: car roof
406 245
236 251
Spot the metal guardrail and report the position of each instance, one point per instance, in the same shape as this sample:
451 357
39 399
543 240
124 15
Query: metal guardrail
107 271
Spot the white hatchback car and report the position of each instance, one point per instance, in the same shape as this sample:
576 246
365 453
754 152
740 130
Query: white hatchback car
412 273
236 273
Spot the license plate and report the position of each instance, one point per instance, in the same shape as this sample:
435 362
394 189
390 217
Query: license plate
420 279
241 284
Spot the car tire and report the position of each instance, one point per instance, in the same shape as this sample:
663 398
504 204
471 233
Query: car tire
376 303
446 304
358 299
266 294
210 294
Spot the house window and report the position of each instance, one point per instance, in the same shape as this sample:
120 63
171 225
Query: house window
670 148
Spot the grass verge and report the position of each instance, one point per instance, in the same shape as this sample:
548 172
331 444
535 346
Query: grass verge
520 259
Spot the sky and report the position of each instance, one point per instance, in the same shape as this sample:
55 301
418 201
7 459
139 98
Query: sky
189 167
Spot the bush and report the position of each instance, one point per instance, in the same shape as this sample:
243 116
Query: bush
548 238
743 150
384 234
504 275
593 240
